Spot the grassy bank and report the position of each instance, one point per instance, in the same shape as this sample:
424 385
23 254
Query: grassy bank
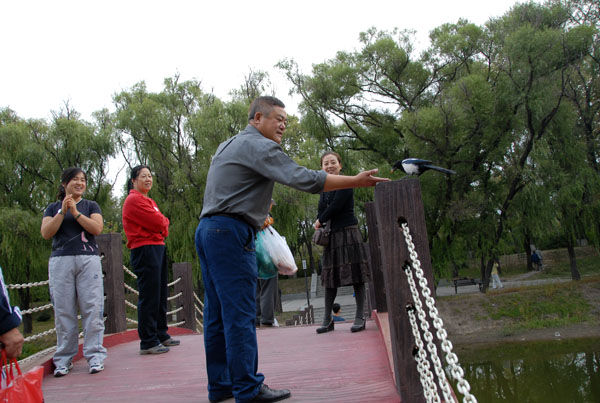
552 305
520 309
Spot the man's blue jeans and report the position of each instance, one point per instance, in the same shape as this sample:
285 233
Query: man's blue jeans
225 247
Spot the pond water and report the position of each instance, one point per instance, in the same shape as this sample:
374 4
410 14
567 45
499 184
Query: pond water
565 371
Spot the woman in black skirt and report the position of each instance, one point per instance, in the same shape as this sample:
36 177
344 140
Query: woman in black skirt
345 259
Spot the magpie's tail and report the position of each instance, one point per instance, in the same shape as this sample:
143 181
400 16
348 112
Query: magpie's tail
440 169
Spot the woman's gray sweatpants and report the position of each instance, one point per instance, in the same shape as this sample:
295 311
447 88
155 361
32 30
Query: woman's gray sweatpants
77 281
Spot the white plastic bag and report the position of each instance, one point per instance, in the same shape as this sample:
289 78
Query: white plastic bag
280 253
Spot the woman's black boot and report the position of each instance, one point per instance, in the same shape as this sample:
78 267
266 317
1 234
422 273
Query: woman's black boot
324 329
357 326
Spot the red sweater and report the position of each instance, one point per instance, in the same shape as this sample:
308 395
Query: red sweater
143 222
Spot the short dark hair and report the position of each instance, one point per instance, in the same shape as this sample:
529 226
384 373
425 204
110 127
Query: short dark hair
336 307
264 105
66 177
135 172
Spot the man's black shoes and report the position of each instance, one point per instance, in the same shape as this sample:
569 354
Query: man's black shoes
266 394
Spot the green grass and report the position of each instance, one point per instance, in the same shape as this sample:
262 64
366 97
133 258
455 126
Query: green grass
539 307
587 265
293 285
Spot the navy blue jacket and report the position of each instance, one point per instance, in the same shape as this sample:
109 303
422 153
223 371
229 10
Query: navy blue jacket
10 317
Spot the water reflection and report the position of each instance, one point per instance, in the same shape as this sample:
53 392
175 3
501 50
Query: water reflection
558 371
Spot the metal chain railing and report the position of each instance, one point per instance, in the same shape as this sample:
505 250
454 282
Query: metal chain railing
27 285
427 381
198 307
130 288
171 298
131 305
451 358
175 296
39 308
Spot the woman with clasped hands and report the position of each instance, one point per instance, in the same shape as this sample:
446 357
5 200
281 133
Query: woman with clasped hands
146 229
75 273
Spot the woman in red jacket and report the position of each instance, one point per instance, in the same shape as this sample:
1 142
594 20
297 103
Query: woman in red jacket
146 229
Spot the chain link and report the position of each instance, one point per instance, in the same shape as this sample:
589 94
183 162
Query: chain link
132 274
27 285
175 310
130 288
174 282
198 300
39 335
431 347
175 296
427 381
451 358
37 355
39 308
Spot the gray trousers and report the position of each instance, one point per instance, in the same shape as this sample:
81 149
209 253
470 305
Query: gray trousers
266 296
77 281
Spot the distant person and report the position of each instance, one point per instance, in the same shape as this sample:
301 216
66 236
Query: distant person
336 313
75 273
496 283
10 318
345 258
238 190
146 229
536 259
266 290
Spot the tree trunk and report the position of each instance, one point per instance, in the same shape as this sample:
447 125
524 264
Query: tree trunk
25 302
527 245
486 271
573 262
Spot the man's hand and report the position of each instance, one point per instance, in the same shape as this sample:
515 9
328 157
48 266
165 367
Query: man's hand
366 178
13 343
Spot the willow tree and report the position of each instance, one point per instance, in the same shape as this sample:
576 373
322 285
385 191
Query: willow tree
476 101
176 131
34 154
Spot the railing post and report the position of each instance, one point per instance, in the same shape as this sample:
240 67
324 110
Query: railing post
377 288
396 201
186 286
111 251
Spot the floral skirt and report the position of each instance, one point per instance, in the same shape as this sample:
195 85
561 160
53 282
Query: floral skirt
345 259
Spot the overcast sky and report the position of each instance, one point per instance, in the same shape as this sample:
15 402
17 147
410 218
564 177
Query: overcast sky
84 51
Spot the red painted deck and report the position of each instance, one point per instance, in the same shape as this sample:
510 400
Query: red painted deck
338 366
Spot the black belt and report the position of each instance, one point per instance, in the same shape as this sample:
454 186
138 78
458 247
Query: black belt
238 217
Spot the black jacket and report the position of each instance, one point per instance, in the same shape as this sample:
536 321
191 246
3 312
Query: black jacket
337 206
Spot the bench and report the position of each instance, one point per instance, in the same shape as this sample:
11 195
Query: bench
461 281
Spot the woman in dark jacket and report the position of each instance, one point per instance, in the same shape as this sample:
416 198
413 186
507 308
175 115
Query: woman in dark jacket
345 258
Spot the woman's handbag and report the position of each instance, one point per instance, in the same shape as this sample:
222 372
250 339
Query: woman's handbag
19 387
322 235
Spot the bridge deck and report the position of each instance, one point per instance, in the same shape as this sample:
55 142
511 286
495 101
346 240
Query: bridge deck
338 366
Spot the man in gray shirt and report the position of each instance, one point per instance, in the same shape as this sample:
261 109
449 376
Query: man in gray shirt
238 192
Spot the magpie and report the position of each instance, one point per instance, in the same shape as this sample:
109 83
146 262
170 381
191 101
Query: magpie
416 166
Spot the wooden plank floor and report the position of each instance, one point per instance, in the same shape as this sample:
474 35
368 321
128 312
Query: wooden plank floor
338 366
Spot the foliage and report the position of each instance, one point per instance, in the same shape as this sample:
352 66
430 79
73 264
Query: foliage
511 105
490 102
